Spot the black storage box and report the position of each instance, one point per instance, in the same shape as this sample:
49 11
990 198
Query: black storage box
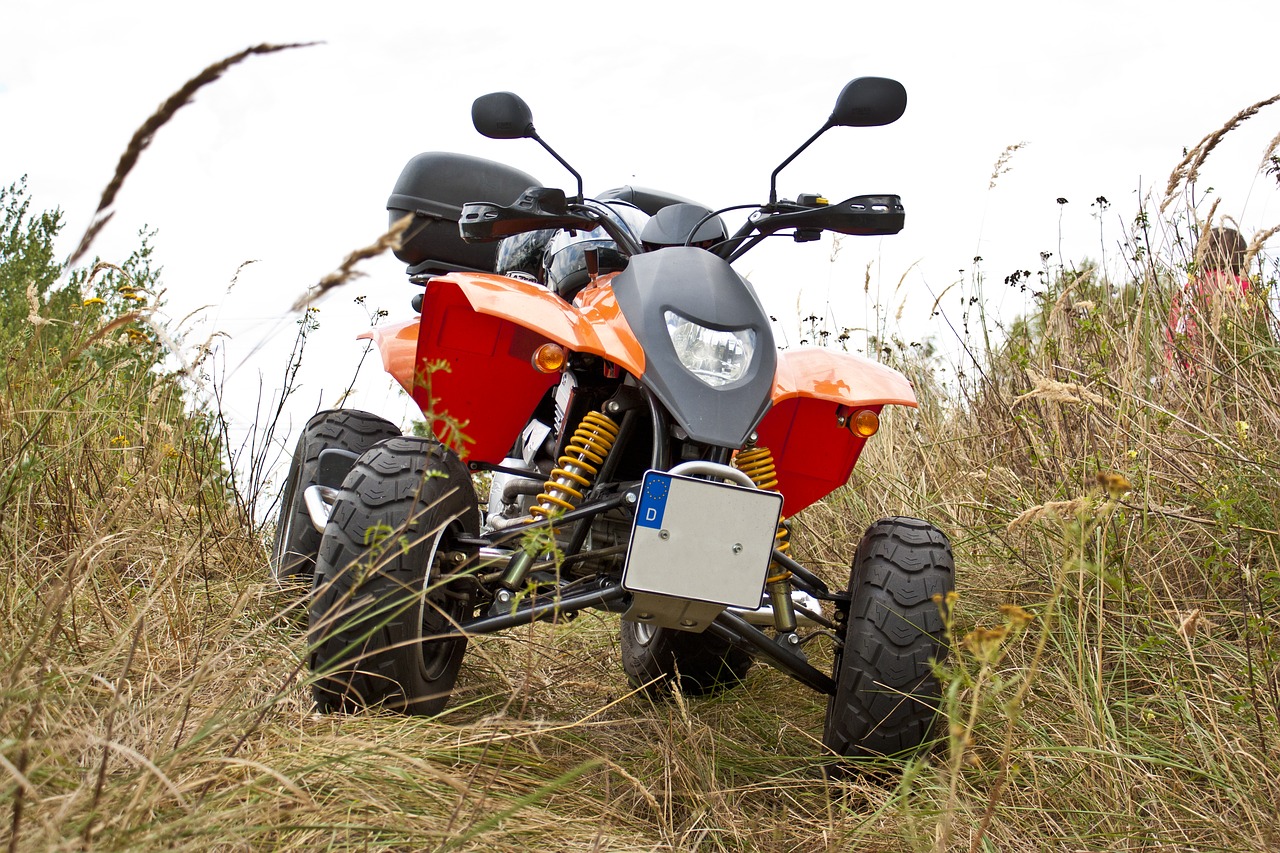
433 187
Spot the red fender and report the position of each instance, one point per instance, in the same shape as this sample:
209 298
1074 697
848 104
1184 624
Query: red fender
814 391
467 364
467 361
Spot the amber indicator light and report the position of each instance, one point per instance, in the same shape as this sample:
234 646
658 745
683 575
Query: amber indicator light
549 358
864 423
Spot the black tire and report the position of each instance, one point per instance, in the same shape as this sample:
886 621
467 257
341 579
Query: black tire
887 694
377 584
293 551
655 657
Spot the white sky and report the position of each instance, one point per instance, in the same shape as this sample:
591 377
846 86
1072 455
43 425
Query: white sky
289 158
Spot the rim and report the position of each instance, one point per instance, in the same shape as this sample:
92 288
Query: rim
433 657
643 632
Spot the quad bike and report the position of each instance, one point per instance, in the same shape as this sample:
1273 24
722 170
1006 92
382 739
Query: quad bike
602 363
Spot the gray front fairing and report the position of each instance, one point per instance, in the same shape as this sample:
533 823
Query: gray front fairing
701 287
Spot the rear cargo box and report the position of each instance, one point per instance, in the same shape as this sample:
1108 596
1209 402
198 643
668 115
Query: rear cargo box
433 187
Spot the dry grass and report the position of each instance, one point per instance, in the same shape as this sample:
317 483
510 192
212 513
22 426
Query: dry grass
1140 711
347 271
1186 172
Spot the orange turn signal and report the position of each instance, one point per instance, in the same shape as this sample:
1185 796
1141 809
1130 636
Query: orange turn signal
864 423
550 358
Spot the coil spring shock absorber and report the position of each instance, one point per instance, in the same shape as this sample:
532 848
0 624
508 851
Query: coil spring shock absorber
757 463
585 453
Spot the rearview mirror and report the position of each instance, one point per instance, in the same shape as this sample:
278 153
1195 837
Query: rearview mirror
869 102
502 115
505 115
863 102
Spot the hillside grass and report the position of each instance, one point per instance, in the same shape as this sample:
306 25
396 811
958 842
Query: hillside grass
1114 682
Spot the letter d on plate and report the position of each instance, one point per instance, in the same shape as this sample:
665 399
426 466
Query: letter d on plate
653 499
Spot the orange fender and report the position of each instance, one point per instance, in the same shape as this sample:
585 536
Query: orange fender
467 360
467 364
398 345
813 390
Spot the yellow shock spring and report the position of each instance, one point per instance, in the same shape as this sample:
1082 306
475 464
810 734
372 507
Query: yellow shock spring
586 451
757 463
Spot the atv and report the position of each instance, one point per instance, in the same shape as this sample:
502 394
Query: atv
600 364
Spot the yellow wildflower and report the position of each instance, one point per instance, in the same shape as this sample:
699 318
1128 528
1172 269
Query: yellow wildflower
1115 484
95 300
946 603
1016 616
984 643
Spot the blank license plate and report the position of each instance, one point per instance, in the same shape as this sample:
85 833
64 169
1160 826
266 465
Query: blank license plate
703 540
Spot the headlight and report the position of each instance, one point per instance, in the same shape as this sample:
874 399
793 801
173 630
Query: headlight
716 358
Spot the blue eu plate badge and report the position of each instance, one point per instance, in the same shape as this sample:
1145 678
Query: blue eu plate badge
653 500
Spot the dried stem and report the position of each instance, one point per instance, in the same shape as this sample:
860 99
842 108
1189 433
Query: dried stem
143 135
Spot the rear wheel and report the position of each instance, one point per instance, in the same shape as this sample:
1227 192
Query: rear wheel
380 581
887 695
293 551
656 658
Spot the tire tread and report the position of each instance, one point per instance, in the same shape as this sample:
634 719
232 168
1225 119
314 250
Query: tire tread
887 695
296 541
361 656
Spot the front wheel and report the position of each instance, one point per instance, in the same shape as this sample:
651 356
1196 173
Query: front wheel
381 586
887 694
655 658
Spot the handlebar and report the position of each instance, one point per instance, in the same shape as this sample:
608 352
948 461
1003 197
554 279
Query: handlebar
862 215
535 209
540 208
810 215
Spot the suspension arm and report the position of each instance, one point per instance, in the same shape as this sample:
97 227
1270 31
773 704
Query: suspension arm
733 628
526 614
624 498
809 578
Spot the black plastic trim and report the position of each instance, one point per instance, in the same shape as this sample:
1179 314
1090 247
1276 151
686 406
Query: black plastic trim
701 287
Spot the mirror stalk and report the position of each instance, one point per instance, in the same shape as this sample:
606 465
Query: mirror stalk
773 179
538 139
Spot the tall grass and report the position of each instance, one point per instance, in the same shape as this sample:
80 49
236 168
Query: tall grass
1120 505
1120 484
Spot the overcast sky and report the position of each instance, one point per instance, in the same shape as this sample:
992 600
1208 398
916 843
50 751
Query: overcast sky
288 160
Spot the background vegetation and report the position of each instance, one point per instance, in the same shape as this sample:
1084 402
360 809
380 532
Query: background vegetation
1114 684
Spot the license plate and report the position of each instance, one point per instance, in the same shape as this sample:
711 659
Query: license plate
701 540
